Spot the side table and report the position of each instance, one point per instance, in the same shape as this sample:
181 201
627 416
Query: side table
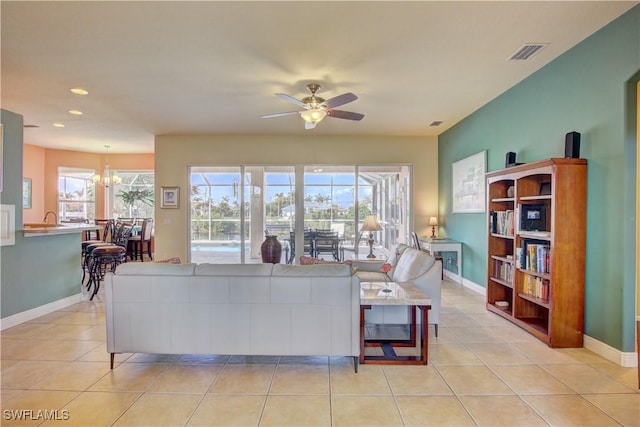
434 246
394 293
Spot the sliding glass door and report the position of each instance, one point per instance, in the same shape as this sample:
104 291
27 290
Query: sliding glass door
216 202
233 207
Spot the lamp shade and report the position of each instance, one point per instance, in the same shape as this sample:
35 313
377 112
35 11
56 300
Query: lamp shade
433 220
371 223
314 115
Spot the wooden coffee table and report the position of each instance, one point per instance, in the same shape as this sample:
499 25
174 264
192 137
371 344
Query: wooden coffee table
394 293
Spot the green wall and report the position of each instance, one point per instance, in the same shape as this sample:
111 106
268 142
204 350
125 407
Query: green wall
586 90
36 270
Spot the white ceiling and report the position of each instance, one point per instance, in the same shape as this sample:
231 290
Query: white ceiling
213 67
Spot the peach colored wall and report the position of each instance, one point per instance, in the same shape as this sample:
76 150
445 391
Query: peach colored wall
33 167
55 159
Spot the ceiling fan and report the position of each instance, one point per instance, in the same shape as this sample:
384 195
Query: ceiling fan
317 108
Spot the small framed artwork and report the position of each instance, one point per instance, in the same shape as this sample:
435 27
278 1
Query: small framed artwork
26 193
170 197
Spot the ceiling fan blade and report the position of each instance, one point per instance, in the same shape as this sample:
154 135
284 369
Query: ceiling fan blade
339 100
340 114
292 100
287 113
308 125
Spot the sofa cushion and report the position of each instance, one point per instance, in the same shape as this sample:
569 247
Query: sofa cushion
151 268
172 260
206 269
372 276
333 270
394 256
412 263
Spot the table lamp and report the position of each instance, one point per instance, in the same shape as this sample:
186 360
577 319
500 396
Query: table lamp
433 222
371 224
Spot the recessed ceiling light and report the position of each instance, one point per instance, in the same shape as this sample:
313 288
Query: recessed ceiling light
79 91
436 123
31 126
58 125
75 112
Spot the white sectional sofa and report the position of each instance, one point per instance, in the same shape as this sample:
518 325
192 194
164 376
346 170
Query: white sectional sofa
407 265
233 309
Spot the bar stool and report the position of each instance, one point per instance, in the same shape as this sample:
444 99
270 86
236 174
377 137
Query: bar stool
107 234
102 257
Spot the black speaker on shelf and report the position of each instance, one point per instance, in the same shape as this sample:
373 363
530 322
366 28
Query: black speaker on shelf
572 145
510 159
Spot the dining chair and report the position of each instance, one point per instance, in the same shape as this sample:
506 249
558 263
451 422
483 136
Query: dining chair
326 242
136 244
307 243
415 240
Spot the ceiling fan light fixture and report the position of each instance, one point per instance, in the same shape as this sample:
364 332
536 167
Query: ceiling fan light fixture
313 115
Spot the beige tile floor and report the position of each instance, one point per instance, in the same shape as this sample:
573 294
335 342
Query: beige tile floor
482 371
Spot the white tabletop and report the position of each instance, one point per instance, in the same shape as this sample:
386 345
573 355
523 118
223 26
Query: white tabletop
392 293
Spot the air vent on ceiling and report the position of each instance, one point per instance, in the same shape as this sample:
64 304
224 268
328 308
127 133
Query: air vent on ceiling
436 123
527 51
31 126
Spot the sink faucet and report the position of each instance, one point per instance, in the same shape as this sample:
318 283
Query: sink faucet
55 216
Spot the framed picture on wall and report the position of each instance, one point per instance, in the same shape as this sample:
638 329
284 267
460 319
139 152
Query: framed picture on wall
170 197
26 193
469 183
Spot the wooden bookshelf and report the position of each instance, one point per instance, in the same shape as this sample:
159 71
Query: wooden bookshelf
544 248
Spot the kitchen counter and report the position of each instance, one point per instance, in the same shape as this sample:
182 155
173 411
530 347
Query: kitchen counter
42 229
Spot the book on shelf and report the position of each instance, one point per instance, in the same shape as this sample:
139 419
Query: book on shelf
536 287
501 222
503 270
534 256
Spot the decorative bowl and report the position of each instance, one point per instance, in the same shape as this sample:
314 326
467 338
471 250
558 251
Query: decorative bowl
371 290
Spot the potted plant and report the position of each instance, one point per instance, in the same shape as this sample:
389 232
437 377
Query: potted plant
132 198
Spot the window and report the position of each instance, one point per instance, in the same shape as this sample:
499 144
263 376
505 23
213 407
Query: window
76 194
233 206
133 197
216 200
329 199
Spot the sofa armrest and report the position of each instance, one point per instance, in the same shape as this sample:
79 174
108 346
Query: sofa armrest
368 265
430 283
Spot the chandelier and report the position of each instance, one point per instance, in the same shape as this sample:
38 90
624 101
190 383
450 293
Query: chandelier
108 178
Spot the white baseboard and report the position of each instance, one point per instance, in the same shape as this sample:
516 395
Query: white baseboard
25 316
625 359
465 282
474 286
